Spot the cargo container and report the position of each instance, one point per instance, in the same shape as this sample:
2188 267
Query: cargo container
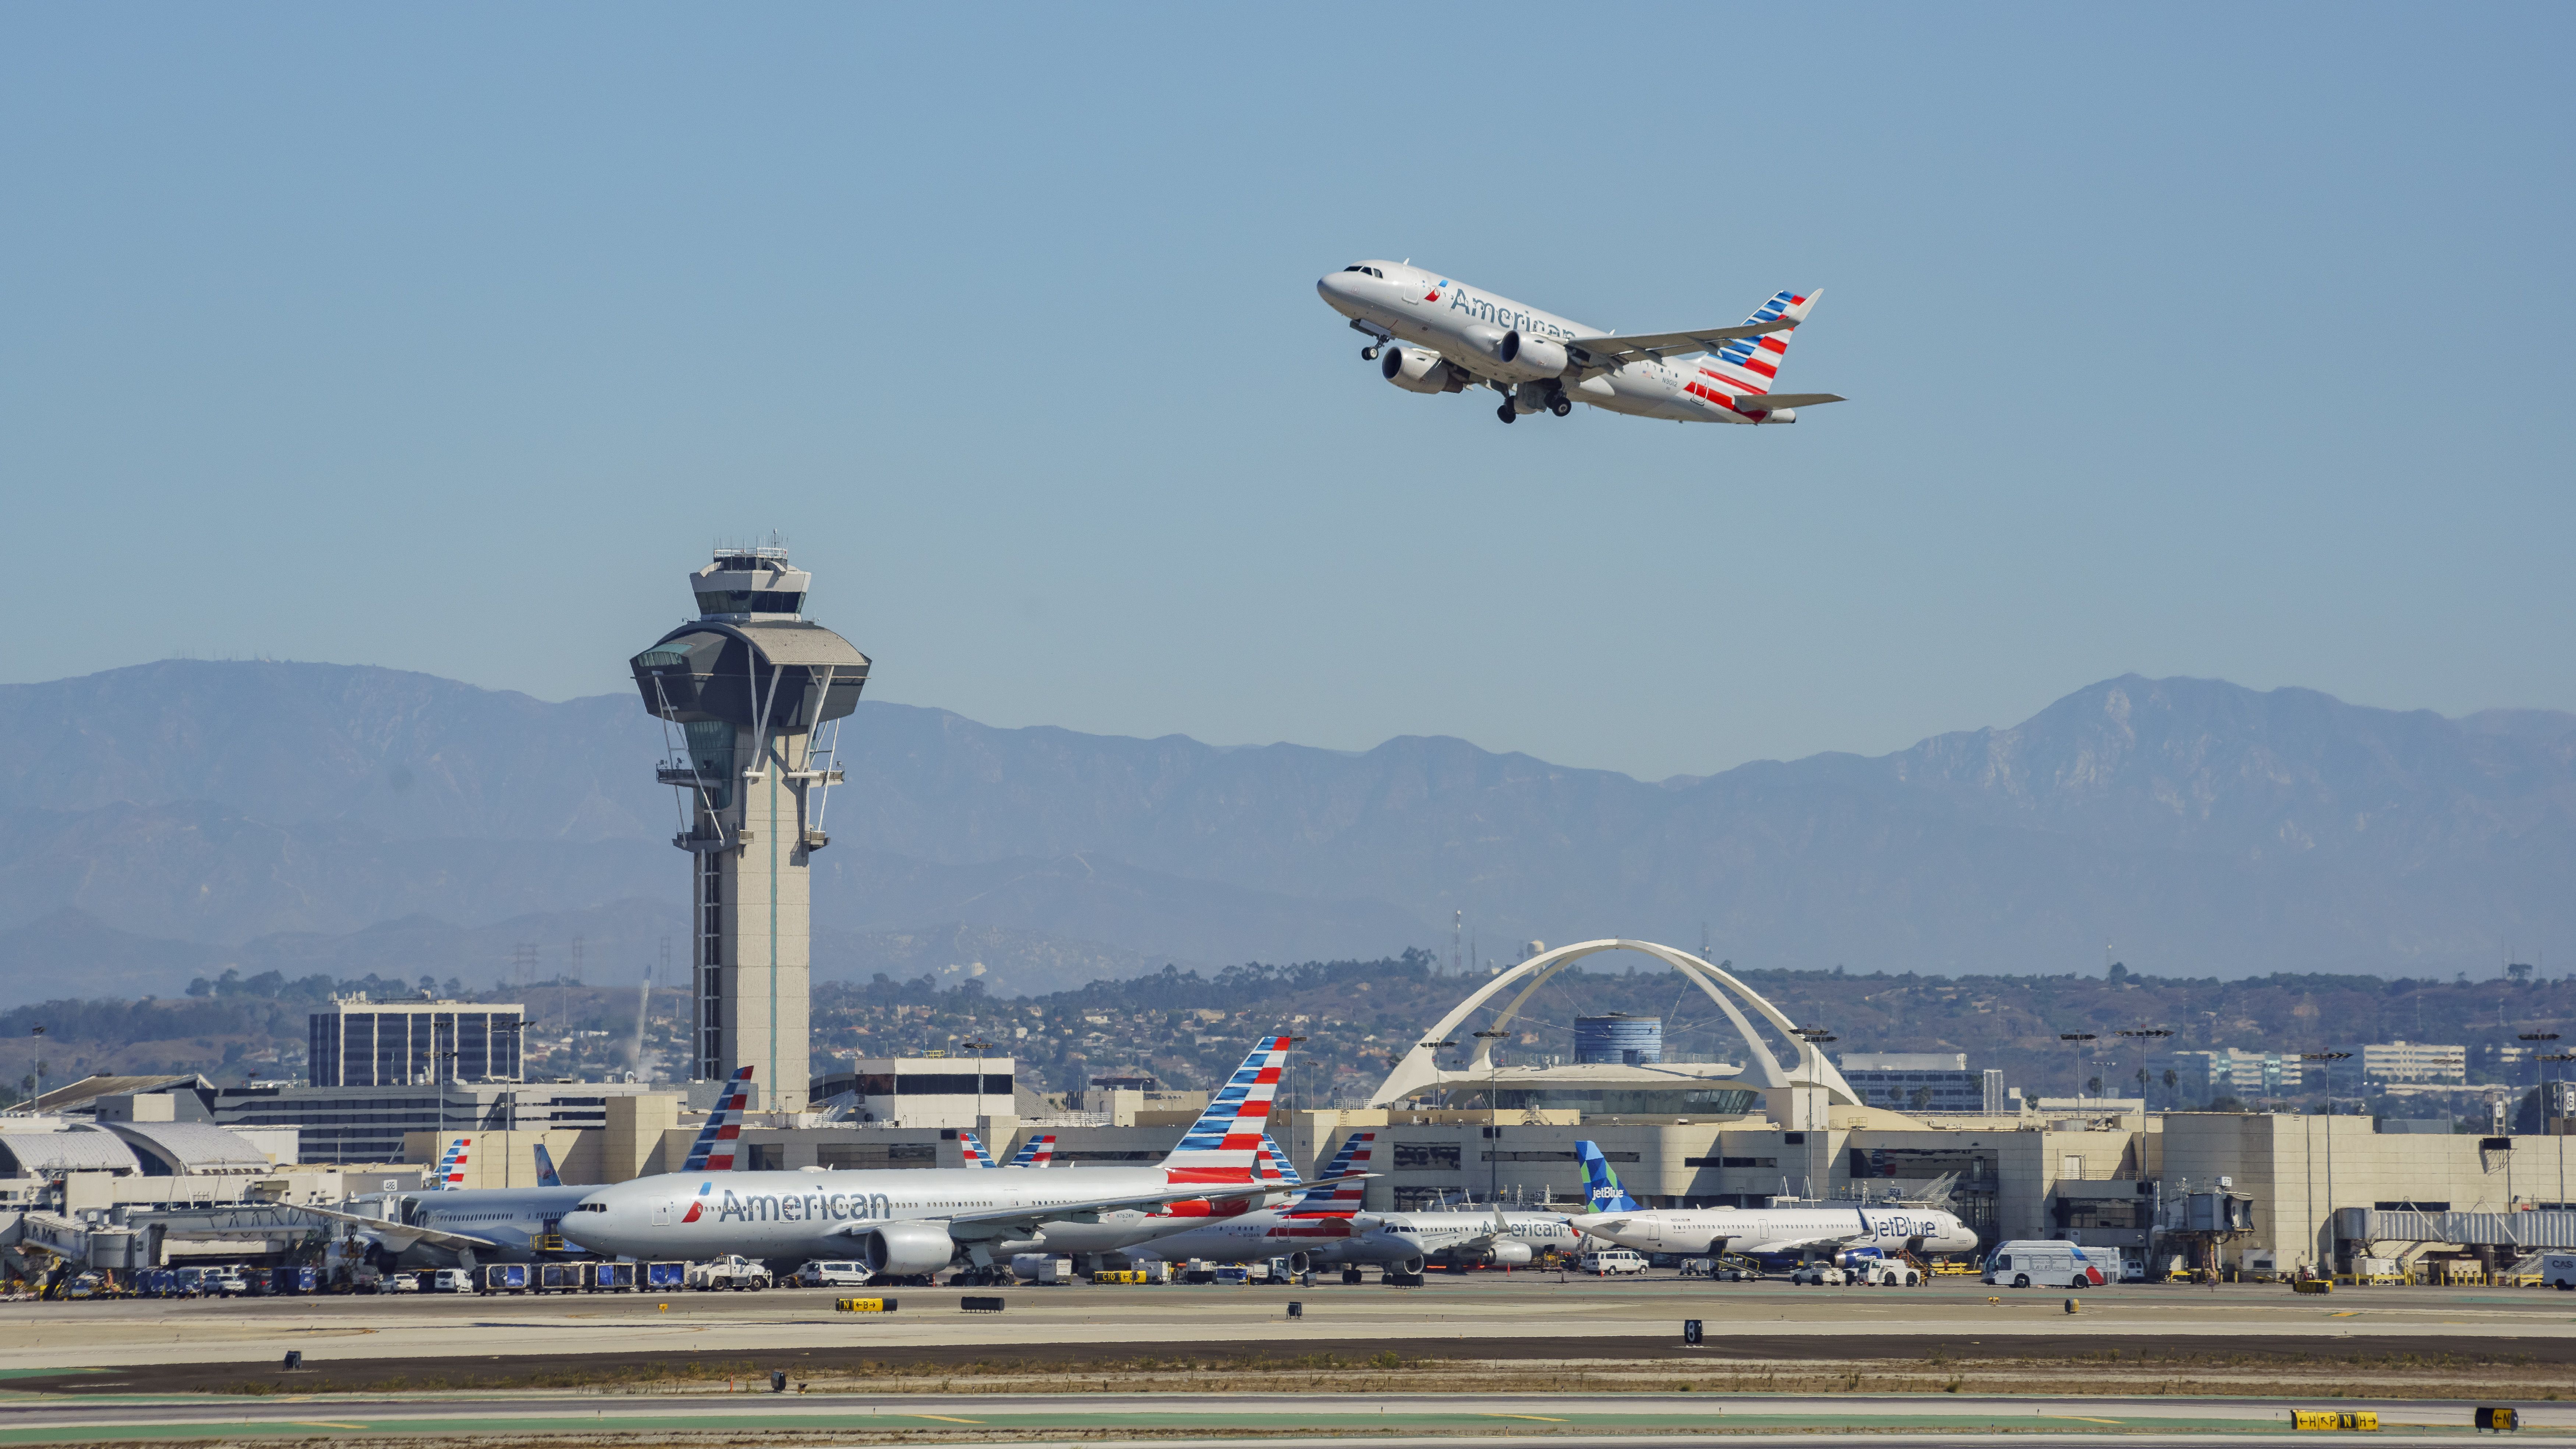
608 1277
665 1277
558 1278
505 1278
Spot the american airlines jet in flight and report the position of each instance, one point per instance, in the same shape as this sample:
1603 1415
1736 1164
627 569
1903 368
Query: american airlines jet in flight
1441 335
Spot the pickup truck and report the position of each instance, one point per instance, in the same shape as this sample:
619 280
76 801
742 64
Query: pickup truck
730 1271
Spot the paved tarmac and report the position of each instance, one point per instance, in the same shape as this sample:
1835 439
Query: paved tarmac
1634 1419
1492 1314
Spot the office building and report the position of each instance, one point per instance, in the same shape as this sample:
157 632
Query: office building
750 696
920 1091
1927 1082
360 1043
2413 1061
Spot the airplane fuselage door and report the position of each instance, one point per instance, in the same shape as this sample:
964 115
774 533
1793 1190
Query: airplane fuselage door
661 1214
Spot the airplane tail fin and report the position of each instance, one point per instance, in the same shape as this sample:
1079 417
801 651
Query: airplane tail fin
1221 1145
972 1148
1751 364
713 1151
1601 1182
546 1174
1036 1152
1340 1196
451 1166
1275 1166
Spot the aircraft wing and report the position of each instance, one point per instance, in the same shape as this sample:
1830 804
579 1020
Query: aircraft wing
1790 1245
1053 1212
1608 352
399 1236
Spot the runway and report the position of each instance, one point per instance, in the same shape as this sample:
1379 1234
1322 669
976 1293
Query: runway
1630 1420
1515 1316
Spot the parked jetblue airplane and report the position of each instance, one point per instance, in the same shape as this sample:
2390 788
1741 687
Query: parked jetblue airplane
1536 360
1766 1233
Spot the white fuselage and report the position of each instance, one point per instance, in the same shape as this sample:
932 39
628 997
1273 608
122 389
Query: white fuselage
798 1215
511 1218
1339 1238
1467 327
1767 1232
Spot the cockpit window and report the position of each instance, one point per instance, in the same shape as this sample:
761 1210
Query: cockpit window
1355 269
1366 272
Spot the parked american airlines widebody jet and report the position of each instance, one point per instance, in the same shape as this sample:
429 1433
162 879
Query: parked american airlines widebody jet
917 1221
1459 336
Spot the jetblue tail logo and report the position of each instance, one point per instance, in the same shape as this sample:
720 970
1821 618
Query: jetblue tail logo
1601 1188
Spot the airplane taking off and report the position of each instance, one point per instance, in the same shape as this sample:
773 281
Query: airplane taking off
1767 1233
1537 360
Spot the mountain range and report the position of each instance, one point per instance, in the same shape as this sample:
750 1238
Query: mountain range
170 819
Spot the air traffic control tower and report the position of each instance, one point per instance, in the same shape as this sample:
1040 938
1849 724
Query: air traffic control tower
750 696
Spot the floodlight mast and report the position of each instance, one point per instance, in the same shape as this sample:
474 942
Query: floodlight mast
751 697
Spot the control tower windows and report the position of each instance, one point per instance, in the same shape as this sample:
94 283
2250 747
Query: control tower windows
750 601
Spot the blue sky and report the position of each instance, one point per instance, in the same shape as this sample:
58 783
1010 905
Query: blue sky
2228 341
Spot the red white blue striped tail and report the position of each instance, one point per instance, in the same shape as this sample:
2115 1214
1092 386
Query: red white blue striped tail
972 1148
1752 364
1222 1145
1275 1166
1038 1152
1341 1197
713 1151
451 1166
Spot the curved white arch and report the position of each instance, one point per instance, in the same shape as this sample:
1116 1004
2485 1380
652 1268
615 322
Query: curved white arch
1418 1069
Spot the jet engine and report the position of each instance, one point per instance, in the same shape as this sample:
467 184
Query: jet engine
1508 1255
1416 370
1299 1263
906 1247
1529 358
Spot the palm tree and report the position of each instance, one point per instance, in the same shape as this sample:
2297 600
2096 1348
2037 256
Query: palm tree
2173 1086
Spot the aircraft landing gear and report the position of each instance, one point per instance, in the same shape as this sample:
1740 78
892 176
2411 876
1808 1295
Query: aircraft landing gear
1560 407
1505 411
1369 353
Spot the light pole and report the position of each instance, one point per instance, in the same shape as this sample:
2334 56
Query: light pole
2329 1058
1493 1112
2144 1036
2077 1039
2561 1131
36 1103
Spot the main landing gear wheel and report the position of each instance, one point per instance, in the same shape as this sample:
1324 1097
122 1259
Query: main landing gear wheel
1368 354
1505 411
1560 407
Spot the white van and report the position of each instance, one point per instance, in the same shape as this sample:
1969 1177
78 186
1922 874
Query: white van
833 1274
447 1280
2045 1264
2558 1270
1603 1262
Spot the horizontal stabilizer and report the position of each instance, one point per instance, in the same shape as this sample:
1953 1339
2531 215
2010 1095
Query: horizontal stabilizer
1763 402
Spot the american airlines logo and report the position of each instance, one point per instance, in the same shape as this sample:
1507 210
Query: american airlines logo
1517 320
788 1207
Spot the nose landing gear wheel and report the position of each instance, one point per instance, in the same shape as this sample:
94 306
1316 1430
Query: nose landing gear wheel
1504 412
1368 354
1560 407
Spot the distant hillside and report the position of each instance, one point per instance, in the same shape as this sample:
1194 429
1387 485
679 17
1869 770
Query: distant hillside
2204 829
